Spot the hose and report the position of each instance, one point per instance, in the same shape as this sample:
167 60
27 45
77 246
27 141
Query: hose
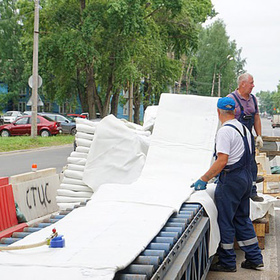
34 245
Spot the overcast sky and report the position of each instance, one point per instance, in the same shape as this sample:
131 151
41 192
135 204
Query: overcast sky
255 26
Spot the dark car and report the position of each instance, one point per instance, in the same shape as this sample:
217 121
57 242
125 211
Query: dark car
67 126
22 126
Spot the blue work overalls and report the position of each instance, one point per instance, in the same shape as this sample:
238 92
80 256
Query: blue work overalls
249 121
232 200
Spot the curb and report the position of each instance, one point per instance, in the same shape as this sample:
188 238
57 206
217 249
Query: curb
35 149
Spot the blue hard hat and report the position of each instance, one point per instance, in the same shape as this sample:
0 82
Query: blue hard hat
226 103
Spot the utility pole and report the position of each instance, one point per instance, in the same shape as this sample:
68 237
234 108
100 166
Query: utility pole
35 71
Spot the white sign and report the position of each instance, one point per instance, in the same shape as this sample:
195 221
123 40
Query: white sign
36 198
30 81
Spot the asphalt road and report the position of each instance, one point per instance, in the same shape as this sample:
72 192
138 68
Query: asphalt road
18 162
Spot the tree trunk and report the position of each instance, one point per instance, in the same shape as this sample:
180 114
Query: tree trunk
108 95
115 102
147 94
136 103
81 93
90 92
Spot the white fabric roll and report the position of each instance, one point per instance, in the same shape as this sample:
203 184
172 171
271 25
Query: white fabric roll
75 160
81 149
83 135
117 154
75 187
67 199
67 180
64 192
78 155
85 128
92 123
64 206
83 142
76 167
73 174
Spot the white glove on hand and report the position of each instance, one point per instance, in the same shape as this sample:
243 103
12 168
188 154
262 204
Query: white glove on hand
259 141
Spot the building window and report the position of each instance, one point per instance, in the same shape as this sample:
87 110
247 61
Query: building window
125 109
63 109
48 106
22 106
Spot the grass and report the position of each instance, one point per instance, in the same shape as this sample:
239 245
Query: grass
26 142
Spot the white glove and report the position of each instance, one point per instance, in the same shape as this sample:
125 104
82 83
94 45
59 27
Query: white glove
259 141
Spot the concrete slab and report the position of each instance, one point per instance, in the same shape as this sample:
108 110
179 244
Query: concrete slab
271 255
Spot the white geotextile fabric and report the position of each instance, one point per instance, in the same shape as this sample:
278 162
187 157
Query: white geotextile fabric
121 219
117 153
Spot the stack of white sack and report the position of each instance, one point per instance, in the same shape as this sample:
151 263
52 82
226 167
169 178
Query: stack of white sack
73 190
109 151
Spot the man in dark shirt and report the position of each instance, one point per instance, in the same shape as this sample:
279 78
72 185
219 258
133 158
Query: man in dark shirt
247 113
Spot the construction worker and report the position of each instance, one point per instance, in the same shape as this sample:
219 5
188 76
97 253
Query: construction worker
233 164
247 113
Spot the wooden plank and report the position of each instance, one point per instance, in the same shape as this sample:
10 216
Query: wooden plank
271 138
271 153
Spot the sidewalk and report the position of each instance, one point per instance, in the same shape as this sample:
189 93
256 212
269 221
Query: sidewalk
271 257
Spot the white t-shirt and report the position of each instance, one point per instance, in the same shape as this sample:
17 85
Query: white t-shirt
230 142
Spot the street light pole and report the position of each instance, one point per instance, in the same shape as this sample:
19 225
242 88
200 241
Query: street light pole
229 57
35 71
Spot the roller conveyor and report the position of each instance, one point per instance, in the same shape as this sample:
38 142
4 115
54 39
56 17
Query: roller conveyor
179 251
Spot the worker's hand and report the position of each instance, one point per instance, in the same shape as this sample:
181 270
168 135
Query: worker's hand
259 141
199 185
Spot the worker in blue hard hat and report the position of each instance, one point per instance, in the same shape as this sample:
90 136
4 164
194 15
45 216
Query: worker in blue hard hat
232 193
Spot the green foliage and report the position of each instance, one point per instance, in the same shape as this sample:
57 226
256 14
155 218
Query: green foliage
26 142
97 48
266 101
217 56
11 58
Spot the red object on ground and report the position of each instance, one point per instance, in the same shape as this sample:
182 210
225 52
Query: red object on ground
4 181
8 217
9 231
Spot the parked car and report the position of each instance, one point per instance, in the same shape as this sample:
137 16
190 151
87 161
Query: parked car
275 121
82 115
67 126
11 116
27 113
22 126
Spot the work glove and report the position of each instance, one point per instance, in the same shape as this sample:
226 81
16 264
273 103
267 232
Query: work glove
199 185
259 141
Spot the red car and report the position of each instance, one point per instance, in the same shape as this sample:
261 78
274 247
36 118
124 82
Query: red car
22 126
82 115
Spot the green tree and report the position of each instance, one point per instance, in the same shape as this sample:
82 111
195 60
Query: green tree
11 59
266 101
218 61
